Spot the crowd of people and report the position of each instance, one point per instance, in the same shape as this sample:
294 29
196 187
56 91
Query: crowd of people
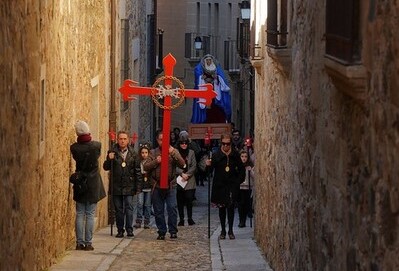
227 163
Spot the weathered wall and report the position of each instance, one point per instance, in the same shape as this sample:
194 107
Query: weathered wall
327 186
139 114
67 45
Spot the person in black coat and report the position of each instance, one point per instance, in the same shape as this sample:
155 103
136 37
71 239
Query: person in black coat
126 182
229 173
86 153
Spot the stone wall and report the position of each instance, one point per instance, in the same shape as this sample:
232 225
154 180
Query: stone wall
62 48
327 173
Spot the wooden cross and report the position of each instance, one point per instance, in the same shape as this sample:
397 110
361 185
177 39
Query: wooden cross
166 92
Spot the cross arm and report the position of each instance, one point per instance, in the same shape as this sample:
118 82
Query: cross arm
130 88
208 94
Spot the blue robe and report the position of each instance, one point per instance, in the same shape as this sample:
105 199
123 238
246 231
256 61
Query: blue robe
223 101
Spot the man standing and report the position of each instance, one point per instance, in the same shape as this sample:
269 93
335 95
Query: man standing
167 196
86 153
238 143
126 182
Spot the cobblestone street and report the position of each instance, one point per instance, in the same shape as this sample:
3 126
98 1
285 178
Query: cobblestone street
190 251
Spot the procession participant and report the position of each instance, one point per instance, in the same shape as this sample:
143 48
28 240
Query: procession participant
229 173
126 182
162 197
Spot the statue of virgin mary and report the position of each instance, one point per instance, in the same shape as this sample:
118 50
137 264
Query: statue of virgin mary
209 71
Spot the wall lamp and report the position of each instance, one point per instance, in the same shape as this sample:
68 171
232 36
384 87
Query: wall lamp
198 43
245 7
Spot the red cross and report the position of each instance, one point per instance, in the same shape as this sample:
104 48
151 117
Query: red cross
134 138
130 88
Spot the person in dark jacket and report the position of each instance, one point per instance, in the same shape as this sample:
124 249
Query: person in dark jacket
162 197
237 142
126 182
187 184
86 153
229 173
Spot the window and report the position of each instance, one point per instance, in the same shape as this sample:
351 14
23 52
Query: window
342 31
95 108
277 23
230 56
243 37
343 59
42 111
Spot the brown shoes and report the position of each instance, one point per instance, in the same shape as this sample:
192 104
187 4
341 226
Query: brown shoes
83 247
89 248
80 247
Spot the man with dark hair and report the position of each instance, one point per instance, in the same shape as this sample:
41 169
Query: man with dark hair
126 182
237 142
162 197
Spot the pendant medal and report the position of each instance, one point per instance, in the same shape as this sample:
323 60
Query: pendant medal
227 169
123 164
145 179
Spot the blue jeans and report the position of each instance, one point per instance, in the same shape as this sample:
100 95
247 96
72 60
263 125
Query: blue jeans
144 206
123 212
84 222
160 197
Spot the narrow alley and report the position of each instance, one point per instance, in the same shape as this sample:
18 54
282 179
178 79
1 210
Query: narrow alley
306 91
191 251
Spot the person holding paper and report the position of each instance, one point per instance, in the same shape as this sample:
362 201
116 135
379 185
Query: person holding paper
186 181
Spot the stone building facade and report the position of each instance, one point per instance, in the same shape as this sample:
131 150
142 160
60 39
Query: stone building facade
56 67
137 30
326 136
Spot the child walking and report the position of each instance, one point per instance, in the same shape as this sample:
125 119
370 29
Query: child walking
244 203
144 198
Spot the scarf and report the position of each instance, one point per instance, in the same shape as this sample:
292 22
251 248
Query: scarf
84 138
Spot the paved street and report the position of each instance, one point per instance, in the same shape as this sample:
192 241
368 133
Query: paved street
191 251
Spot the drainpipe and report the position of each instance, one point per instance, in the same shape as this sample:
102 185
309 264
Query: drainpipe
112 115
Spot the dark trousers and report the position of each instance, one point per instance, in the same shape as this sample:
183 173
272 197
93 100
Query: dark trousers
185 198
160 198
244 205
229 211
123 212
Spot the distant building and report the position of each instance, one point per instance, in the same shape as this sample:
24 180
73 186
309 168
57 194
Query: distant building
215 23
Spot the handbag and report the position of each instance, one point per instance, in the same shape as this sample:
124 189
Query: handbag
79 179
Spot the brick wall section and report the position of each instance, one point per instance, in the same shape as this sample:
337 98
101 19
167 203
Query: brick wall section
71 41
327 186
